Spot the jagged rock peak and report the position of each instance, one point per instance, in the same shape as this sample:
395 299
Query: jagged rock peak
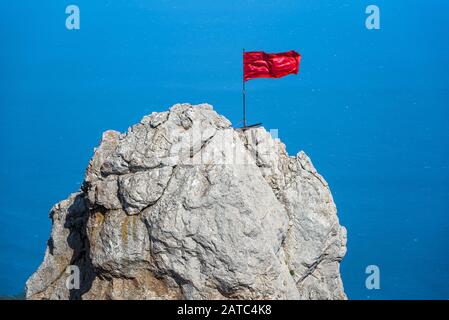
183 206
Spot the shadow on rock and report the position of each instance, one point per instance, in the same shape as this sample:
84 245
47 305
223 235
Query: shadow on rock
76 222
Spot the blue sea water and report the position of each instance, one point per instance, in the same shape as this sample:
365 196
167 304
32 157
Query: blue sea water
370 107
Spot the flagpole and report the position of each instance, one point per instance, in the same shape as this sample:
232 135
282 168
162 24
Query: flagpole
244 90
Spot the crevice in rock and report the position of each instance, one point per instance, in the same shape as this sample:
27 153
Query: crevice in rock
314 174
163 191
78 240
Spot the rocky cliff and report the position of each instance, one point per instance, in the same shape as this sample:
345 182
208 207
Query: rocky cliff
183 206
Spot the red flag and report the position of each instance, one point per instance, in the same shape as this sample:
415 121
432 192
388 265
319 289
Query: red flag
258 64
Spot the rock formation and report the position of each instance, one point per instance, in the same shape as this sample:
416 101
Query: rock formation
183 206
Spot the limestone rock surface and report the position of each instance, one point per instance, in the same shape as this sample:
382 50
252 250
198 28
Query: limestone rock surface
183 206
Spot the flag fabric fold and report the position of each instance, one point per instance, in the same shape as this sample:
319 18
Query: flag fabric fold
258 64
